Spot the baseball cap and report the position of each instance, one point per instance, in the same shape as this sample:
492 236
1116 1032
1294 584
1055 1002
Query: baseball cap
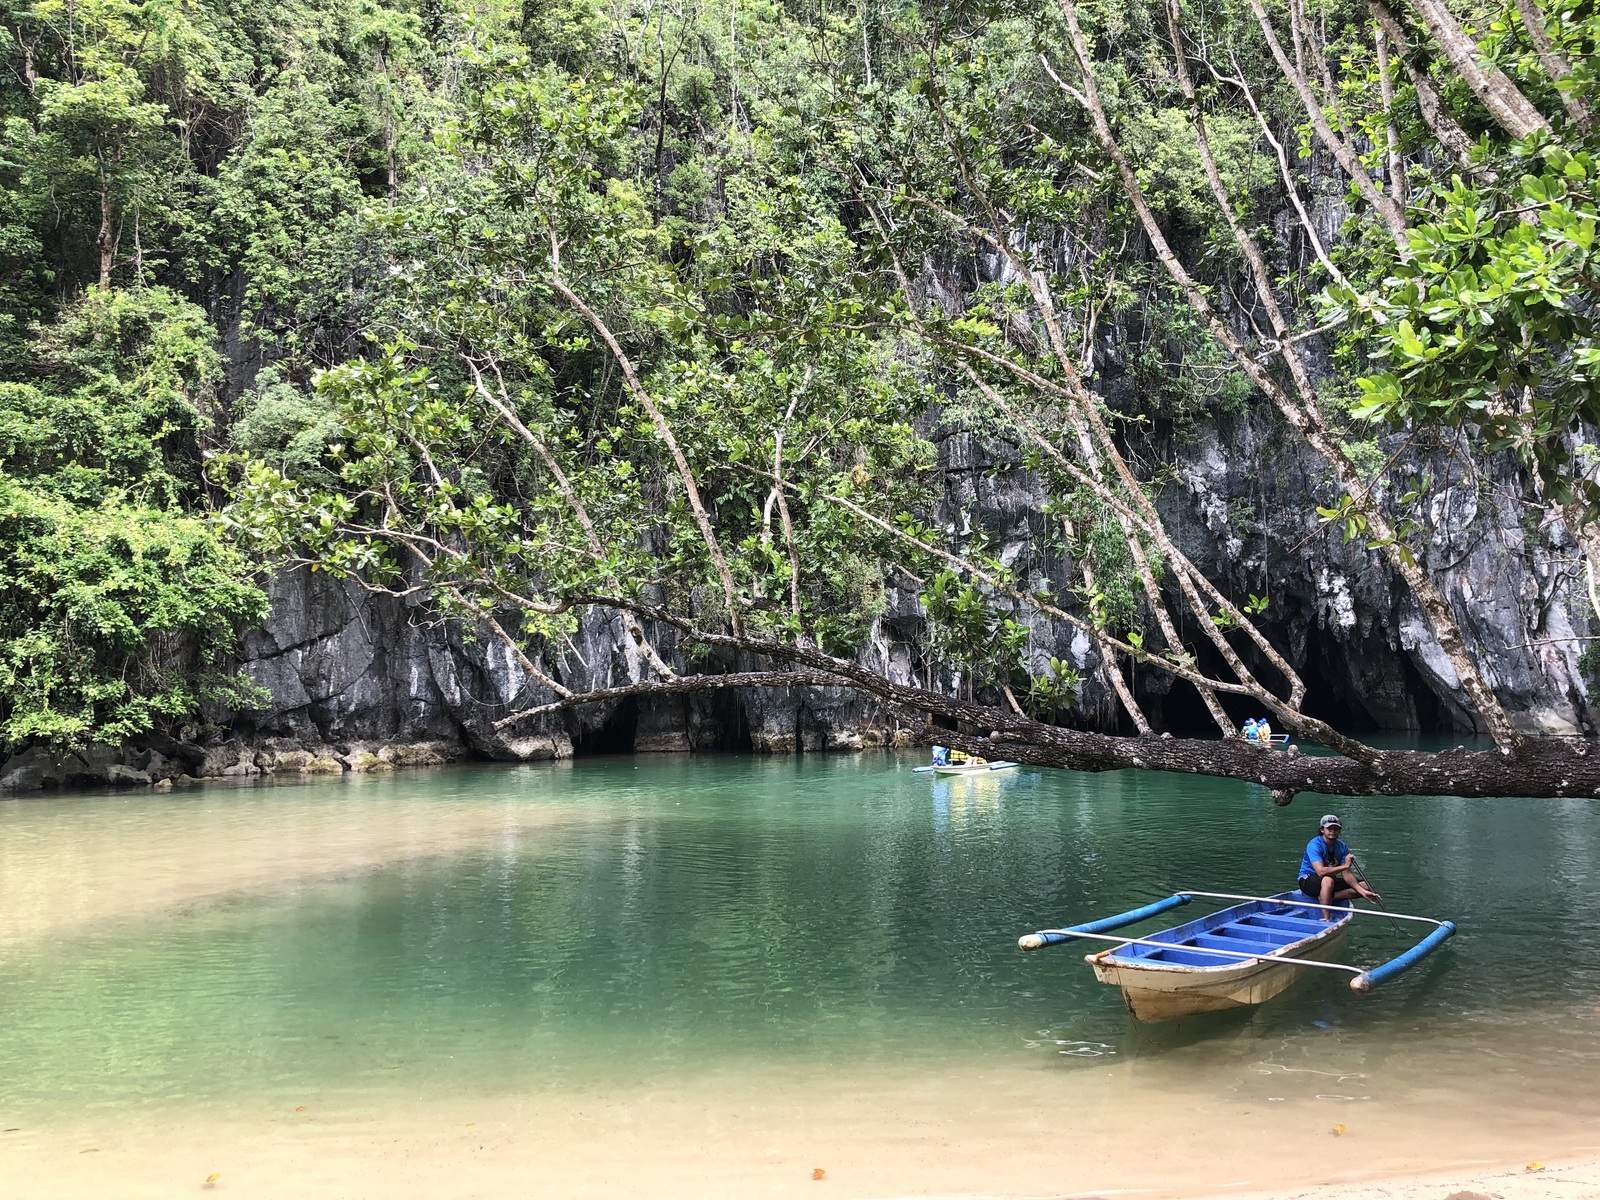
1330 819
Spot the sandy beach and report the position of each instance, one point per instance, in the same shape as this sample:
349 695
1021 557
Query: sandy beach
1565 1180
978 1134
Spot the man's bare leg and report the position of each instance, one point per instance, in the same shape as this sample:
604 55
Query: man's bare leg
1328 882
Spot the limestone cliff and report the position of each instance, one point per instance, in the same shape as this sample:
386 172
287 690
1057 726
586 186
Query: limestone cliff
362 675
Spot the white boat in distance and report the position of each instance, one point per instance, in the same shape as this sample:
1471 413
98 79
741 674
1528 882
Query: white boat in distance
966 768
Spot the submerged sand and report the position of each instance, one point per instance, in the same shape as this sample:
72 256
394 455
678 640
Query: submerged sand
79 861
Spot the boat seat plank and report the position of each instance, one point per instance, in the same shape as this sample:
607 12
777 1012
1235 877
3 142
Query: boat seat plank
1300 914
1285 924
1256 933
1210 941
1183 956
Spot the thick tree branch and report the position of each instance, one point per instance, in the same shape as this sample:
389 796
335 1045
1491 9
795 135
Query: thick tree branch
1435 115
1511 110
1536 768
1554 63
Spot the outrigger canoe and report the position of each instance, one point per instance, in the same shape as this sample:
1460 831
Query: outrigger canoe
1241 955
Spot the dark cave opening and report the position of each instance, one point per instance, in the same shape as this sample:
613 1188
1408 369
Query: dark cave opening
1433 716
724 726
615 736
1326 699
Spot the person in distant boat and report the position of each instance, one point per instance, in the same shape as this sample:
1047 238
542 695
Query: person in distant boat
1263 731
941 756
1249 733
1328 870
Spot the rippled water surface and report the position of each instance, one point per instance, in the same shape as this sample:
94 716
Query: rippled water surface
657 921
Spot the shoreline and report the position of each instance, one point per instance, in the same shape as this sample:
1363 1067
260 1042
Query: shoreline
472 1161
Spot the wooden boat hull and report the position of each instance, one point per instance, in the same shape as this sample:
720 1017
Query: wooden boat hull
1159 984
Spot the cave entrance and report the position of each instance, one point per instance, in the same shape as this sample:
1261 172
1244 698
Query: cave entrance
718 723
1433 715
1327 678
615 736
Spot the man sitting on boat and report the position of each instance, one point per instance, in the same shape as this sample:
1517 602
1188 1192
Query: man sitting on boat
1328 869
941 756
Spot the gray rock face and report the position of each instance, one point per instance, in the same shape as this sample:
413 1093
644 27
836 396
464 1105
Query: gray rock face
358 678
1245 510
97 765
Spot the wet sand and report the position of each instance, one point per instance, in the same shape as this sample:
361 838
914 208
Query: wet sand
970 1133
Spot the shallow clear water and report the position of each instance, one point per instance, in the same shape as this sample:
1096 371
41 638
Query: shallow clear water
649 921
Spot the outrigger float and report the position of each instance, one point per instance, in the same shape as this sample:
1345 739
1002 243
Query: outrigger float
1241 955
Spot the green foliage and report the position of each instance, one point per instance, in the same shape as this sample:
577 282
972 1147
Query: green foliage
279 423
967 632
750 345
117 618
1057 688
1486 322
1589 669
470 264
1179 369
118 608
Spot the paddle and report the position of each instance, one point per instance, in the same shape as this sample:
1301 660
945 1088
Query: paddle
1355 867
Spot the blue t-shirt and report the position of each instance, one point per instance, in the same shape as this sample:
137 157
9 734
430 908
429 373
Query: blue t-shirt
1317 852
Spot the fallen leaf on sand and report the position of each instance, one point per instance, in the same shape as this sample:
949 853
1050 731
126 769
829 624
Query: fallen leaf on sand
214 1176
300 1108
817 1172
1337 1130
1534 1166
90 1150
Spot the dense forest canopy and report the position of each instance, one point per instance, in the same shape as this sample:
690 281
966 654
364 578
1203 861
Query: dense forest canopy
524 311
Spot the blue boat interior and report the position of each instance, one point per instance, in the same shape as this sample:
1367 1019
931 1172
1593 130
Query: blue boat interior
1257 927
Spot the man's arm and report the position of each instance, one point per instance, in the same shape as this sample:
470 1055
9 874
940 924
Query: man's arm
1322 868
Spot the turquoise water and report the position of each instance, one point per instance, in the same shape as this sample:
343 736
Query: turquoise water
654 920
